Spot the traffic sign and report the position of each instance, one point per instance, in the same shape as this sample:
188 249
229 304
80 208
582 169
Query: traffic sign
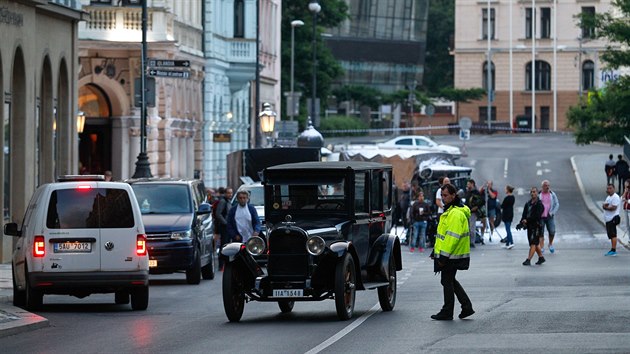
464 134
180 74
429 110
465 123
165 63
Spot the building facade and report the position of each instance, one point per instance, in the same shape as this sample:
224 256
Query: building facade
110 53
540 58
39 95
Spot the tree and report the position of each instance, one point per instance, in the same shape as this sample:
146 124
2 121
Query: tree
461 96
439 63
606 114
333 12
356 94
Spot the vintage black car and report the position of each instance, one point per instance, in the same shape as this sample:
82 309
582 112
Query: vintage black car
327 237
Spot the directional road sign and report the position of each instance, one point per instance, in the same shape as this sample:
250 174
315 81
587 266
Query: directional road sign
165 63
180 74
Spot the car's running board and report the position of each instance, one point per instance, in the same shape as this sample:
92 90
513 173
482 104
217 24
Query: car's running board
375 285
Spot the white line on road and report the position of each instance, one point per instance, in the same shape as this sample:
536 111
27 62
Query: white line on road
520 191
473 163
505 168
539 172
538 164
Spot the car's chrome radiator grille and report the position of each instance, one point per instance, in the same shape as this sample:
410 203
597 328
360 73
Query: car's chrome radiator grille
287 254
156 237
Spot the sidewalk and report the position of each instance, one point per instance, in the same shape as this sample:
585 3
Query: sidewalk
589 176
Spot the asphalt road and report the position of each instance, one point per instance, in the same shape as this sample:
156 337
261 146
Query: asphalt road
577 302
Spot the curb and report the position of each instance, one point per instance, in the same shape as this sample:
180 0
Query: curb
18 320
586 197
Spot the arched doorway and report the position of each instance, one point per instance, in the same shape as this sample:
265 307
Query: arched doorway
15 186
44 141
95 150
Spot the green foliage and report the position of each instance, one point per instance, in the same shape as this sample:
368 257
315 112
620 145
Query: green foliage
342 123
462 95
439 64
364 96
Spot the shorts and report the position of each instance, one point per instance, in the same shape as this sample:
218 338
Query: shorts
492 212
533 235
611 229
550 224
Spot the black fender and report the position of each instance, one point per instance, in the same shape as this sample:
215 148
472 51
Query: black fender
341 249
236 253
382 249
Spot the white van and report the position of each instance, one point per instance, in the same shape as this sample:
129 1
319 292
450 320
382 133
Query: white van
81 236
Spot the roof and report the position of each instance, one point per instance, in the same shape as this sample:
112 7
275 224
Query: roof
161 180
330 165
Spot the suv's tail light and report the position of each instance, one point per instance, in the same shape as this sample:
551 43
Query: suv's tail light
141 245
39 247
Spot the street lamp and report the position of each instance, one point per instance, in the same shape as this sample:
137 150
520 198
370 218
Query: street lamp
267 120
80 122
315 8
292 105
143 167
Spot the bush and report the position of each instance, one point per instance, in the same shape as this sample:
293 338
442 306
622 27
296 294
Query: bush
348 124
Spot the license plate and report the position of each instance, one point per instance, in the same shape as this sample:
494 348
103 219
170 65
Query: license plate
288 293
72 247
152 263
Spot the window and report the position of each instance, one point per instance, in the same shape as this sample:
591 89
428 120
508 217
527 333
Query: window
484 75
542 79
588 75
407 141
483 114
484 24
387 189
529 22
359 192
163 198
587 30
239 19
545 22
92 208
376 193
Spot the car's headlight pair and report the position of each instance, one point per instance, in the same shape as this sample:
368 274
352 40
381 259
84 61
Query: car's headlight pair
315 245
181 235
255 245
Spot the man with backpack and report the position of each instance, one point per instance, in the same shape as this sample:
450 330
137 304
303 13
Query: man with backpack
623 171
219 214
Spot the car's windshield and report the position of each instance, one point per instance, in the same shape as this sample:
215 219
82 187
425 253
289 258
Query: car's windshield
256 195
155 198
324 196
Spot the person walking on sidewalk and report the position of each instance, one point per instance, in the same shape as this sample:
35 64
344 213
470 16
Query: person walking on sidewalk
452 253
550 201
489 196
623 171
531 220
611 217
609 168
508 215
420 212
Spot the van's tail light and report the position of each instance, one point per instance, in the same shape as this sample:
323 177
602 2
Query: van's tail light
39 247
141 245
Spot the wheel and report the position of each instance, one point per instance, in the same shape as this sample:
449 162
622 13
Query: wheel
140 298
345 289
121 297
193 275
34 298
286 306
387 294
207 271
19 296
233 293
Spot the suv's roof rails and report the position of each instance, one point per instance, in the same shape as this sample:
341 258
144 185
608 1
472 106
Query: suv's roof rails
79 178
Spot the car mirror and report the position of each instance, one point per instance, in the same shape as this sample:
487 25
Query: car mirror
11 229
204 208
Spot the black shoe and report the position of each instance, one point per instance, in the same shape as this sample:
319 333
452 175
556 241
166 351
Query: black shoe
527 262
540 261
503 240
442 316
466 312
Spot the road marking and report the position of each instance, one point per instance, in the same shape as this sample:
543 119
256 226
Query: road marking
539 172
520 191
472 163
505 168
330 341
538 164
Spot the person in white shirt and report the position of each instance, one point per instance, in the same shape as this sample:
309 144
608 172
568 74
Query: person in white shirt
611 217
243 220
438 194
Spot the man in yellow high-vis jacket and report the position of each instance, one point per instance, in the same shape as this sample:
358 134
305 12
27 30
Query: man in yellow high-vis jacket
452 253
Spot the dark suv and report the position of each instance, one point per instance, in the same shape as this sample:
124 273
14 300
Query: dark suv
177 222
326 238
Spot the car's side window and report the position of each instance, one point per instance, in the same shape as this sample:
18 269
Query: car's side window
404 142
376 200
421 142
387 187
360 205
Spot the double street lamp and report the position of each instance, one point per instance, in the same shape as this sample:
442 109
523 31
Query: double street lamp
315 8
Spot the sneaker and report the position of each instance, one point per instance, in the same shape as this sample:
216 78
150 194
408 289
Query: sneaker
527 262
421 250
551 249
510 246
442 316
611 253
412 249
540 261
503 240
466 312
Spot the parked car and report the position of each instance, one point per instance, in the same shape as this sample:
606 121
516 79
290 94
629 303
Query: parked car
326 238
419 142
79 236
177 221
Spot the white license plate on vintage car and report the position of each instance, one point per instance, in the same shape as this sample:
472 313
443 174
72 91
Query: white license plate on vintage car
152 263
72 247
288 293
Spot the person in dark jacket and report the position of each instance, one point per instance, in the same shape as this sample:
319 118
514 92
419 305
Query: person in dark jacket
508 215
243 221
623 171
532 212
220 220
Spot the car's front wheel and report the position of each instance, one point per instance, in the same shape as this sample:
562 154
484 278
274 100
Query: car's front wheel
140 298
193 275
286 306
207 271
387 294
233 293
345 287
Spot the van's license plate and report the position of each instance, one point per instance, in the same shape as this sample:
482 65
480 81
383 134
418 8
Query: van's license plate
288 293
72 247
152 263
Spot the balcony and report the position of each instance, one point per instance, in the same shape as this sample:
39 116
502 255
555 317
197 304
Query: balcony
124 24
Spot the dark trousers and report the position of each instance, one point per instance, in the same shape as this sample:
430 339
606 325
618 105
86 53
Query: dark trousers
452 288
225 239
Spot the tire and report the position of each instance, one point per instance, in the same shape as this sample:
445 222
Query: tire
286 306
140 298
207 271
193 275
121 297
19 297
34 298
233 293
345 287
387 294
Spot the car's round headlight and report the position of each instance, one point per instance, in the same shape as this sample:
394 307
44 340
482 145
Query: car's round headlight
315 245
255 246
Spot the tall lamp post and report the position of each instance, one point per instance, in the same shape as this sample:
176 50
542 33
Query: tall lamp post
315 8
292 105
267 120
143 168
